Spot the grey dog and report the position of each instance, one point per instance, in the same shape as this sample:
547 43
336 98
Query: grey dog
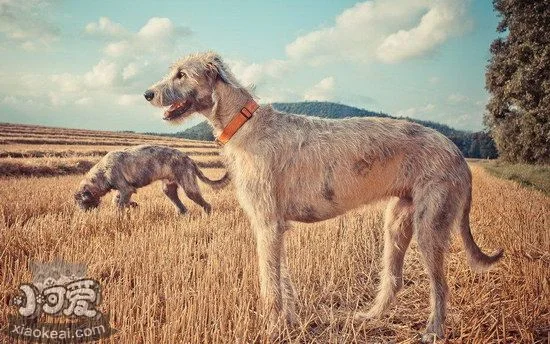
288 167
128 169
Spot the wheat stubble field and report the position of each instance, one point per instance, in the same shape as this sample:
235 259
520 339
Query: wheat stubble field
168 278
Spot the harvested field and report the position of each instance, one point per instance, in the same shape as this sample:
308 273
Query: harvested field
168 278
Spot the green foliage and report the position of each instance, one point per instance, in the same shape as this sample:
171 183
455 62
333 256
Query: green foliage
518 77
325 110
201 131
473 145
534 176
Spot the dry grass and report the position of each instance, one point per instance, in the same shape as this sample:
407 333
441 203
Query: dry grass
94 141
168 278
21 130
190 279
43 151
15 134
52 166
56 149
66 151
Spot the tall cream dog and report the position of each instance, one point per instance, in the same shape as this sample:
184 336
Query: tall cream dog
288 167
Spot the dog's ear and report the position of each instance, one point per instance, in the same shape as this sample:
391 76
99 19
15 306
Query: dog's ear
218 68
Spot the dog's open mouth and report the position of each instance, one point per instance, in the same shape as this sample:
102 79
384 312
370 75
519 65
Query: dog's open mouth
176 110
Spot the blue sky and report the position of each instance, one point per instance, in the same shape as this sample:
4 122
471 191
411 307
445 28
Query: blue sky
86 64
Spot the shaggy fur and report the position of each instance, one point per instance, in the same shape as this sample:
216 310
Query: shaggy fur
132 168
287 167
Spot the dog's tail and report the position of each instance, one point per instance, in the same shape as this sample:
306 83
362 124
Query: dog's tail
215 184
477 260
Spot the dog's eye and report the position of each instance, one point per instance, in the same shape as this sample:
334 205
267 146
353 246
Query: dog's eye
181 75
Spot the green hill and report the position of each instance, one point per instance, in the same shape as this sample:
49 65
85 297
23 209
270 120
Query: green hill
472 145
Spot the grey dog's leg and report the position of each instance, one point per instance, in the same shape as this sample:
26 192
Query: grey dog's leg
435 213
270 250
288 294
116 198
196 197
171 191
122 199
398 231
189 184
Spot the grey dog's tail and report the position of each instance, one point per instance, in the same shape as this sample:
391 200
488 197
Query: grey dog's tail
215 184
477 260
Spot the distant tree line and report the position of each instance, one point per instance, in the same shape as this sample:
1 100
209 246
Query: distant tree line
472 145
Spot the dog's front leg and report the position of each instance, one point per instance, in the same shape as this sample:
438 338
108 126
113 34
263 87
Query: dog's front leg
122 199
116 198
269 245
289 294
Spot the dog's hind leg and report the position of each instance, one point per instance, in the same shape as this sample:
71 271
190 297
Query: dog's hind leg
435 214
398 231
171 191
188 183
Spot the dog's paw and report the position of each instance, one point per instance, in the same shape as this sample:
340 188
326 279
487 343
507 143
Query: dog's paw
429 337
369 315
291 318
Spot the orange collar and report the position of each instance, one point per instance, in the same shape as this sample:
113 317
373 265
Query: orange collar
237 122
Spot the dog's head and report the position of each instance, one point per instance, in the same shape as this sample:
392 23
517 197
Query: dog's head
85 198
189 86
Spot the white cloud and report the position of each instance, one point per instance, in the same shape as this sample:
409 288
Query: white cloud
157 35
385 30
434 80
255 73
83 101
26 24
10 100
130 99
81 89
482 103
429 107
445 19
116 77
29 46
416 111
66 82
117 49
157 28
130 71
273 94
57 98
465 120
105 27
457 98
104 74
368 31
321 91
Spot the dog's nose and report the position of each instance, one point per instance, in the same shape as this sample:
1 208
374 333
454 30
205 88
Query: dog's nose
149 95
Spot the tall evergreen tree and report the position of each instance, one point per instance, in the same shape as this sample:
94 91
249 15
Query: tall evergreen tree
518 77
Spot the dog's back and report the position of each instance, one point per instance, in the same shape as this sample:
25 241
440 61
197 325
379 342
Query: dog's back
141 165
